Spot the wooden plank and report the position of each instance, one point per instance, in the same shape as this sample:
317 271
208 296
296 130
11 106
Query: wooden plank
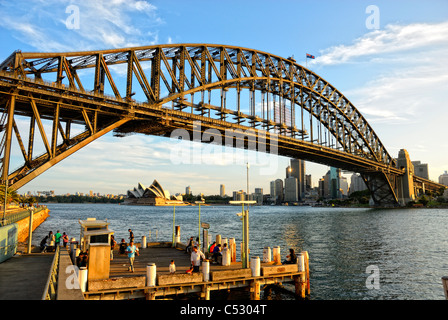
179 278
273 270
230 274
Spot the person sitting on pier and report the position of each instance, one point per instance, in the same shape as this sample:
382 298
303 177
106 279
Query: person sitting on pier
217 253
212 246
172 267
291 258
122 248
189 245
43 244
196 256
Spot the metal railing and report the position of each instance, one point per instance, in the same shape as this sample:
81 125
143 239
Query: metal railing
17 216
52 281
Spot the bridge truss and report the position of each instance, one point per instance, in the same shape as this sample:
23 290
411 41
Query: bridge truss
168 87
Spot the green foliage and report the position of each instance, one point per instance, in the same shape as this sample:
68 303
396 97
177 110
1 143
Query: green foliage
78 199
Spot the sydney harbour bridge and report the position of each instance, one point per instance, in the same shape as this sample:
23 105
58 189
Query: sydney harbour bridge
251 93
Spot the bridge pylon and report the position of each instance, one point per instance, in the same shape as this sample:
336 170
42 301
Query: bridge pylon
405 182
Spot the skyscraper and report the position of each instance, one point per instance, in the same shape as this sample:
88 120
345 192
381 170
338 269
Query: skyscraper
222 190
297 170
291 190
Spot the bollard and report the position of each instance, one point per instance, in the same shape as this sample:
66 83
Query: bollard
83 279
232 247
226 257
75 254
301 262
206 270
218 239
276 254
151 270
255 266
177 235
143 242
267 254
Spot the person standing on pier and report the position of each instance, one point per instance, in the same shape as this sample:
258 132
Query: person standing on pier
57 238
196 256
131 236
131 250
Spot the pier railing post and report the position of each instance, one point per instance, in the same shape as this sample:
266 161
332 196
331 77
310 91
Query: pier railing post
445 286
307 270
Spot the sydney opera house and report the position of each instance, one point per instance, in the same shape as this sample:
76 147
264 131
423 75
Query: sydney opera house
154 195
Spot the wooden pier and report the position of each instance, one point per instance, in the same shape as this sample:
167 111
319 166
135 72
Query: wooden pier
122 284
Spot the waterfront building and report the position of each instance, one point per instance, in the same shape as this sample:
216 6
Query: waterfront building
239 195
420 169
188 190
443 178
154 195
278 191
222 190
356 183
291 190
258 196
297 170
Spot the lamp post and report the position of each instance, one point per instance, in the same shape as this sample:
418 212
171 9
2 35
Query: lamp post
245 218
174 222
199 226
4 208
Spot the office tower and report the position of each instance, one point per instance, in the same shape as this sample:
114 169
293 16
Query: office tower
297 170
222 190
443 178
291 190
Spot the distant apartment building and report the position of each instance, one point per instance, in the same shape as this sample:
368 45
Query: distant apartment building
276 191
443 178
421 169
291 190
297 170
239 195
356 183
188 190
222 190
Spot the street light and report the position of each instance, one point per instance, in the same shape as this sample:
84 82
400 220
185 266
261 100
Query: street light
174 222
199 227
245 218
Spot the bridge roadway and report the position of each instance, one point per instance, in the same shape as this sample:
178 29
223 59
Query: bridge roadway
24 276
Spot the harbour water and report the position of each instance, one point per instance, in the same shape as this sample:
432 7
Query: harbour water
355 254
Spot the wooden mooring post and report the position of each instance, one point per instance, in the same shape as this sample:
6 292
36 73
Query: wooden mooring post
445 286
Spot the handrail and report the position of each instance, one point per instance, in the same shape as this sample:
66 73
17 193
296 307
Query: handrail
52 281
17 216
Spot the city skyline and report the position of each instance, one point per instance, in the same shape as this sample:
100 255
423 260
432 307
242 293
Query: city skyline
400 90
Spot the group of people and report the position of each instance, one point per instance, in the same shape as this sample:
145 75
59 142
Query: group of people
125 248
50 241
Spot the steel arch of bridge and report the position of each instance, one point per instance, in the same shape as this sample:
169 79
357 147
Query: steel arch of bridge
307 116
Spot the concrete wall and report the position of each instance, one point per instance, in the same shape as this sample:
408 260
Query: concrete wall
24 224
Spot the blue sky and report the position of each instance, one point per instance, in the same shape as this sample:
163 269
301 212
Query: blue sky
396 75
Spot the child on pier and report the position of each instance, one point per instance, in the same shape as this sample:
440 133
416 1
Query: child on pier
172 267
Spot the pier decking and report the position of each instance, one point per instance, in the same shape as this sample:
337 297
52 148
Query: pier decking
123 284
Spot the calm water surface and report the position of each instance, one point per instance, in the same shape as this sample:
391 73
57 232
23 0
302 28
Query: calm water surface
408 246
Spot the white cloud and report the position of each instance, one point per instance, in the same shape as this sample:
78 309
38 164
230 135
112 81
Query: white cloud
382 43
102 24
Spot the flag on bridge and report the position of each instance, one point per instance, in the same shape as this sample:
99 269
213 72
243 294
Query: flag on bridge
310 56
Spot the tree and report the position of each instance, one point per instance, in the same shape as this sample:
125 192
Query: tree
11 195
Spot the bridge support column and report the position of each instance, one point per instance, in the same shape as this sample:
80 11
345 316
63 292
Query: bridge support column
405 183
